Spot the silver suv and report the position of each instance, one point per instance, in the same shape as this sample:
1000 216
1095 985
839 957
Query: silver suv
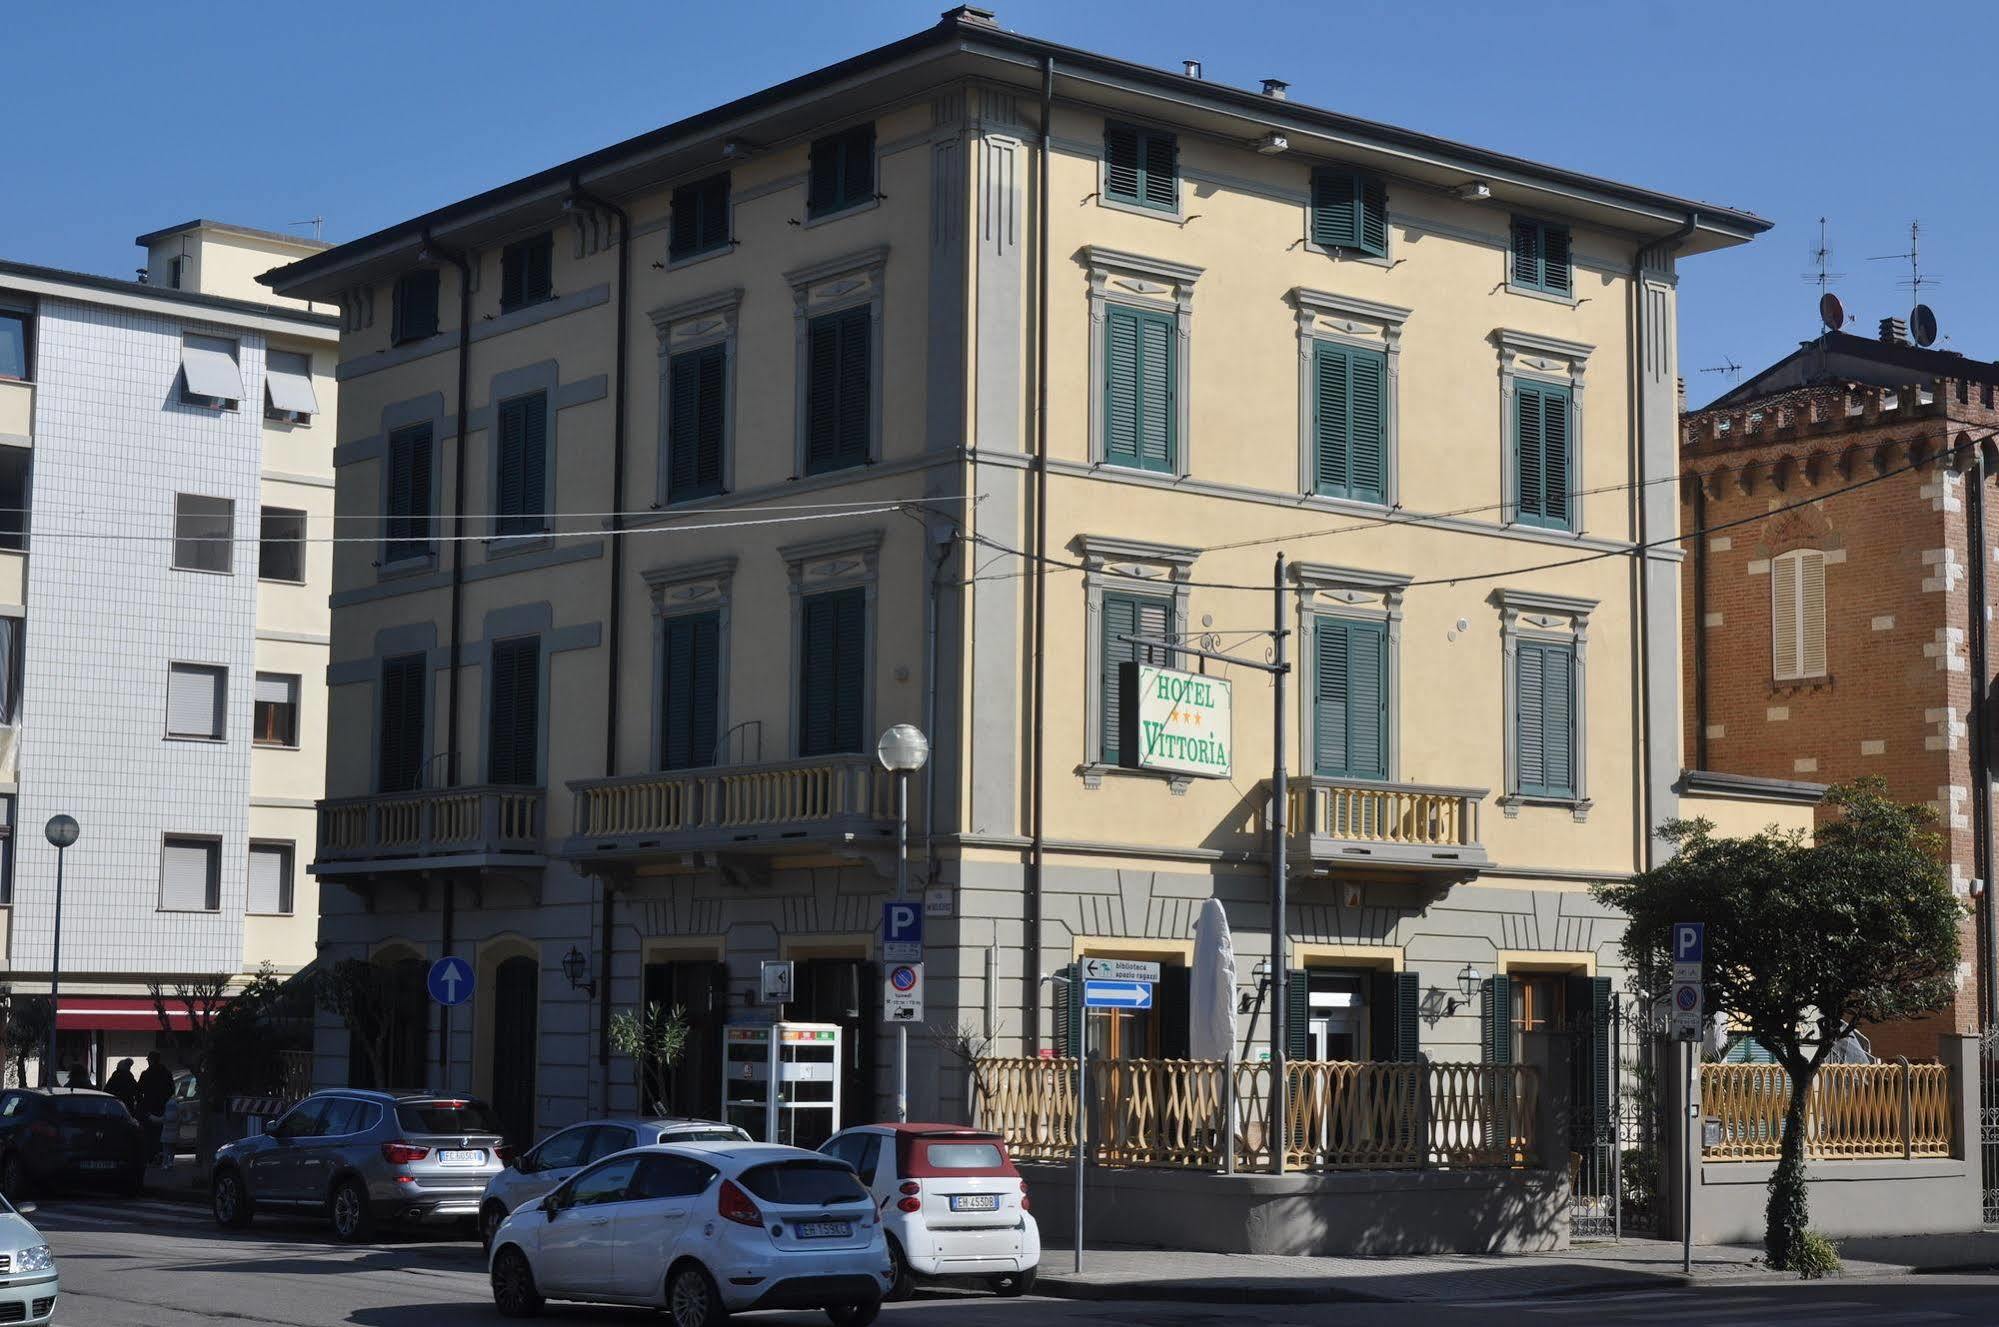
363 1157
560 1155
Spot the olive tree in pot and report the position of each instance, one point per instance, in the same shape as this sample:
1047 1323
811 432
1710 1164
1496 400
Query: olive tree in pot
655 1039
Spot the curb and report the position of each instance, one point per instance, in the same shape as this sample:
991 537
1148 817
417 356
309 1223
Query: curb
1056 1287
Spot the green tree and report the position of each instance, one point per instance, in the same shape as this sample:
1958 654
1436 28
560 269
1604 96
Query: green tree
366 998
655 1039
1805 942
26 1030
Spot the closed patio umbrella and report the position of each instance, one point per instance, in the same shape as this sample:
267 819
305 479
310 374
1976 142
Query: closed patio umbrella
1211 1007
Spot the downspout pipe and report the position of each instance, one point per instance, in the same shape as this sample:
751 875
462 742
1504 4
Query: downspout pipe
1036 778
1700 625
612 633
1979 723
432 249
1666 247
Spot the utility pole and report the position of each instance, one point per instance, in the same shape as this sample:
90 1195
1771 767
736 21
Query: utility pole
1280 949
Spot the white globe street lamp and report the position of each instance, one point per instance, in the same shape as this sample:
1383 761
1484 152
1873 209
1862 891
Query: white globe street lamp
902 750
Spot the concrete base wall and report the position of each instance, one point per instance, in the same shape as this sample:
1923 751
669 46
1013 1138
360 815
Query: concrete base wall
1919 1197
1362 1212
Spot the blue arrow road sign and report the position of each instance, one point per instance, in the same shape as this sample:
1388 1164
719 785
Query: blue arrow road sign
450 981
1689 942
1117 994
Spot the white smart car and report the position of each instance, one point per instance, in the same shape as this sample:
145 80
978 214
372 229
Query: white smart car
27 1269
701 1230
951 1202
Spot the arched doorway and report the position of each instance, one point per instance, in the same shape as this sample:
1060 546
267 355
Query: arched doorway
403 1032
516 1008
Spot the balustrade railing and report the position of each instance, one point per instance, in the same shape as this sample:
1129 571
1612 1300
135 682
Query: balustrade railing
724 799
1409 815
429 823
1856 1112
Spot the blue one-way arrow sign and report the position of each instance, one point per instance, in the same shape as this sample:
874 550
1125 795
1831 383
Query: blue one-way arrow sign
450 981
1117 994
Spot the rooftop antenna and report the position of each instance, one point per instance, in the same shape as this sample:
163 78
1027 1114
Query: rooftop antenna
317 224
1728 366
1916 280
1822 260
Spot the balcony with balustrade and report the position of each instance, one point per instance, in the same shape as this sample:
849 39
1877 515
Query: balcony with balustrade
815 808
474 828
1410 828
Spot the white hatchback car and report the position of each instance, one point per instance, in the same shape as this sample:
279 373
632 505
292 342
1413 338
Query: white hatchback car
28 1286
952 1203
701 1230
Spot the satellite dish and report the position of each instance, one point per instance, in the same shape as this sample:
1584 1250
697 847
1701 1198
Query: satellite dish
1831 312
1922 325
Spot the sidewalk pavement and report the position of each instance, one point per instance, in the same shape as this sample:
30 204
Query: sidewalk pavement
187 1181
1634 1264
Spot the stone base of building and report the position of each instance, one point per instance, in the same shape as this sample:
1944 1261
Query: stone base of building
1347 1212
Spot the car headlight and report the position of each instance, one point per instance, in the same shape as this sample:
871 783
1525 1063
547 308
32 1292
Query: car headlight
37 1259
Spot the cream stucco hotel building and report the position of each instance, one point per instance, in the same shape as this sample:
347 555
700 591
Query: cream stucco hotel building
904 392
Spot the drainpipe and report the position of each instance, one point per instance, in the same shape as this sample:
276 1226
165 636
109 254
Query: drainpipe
1666 247
1031 973
1700 625
612 634
942 546
432 249
1979 718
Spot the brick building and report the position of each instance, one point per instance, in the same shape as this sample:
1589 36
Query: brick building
1835 637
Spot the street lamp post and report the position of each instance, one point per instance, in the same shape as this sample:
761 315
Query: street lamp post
902 751
61 831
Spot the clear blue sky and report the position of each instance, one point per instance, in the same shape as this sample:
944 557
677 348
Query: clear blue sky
128 117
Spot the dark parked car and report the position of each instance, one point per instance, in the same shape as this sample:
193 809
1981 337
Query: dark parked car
50 1137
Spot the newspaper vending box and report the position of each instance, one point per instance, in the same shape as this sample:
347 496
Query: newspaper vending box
781 1081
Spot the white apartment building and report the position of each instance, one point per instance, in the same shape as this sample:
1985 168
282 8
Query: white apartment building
166 445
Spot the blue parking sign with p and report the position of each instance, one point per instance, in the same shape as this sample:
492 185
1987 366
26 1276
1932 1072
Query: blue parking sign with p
902 931
1689 942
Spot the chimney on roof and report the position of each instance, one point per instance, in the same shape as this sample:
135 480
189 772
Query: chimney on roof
1895 331
970 14
1193 68
1275 88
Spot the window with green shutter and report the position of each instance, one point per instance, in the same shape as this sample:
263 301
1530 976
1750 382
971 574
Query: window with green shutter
1544 458
1350 699
1540 258
696 388
527 271
841 171
1142 167
689 702
403 702
832 672
1141 416
407 496
1127 615
1544 719
1349 422
513 717
1496 1019
521 477
414 315
700 217
1349 211
839 397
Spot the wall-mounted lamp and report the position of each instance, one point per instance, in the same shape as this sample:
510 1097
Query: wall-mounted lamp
1468 984
1249 999
576 967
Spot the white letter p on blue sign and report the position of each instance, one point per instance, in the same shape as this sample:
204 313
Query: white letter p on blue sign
1689 942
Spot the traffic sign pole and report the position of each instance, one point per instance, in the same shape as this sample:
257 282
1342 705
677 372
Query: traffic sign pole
901 893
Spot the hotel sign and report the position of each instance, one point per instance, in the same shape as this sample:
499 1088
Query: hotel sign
1179 723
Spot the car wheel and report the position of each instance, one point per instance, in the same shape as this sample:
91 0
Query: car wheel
854 1315
514 1293
230 1200
1014 1284
692 1300
353 1219
901 1281
490 1217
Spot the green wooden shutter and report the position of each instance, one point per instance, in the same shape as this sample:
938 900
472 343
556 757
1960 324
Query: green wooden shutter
523 466
1331 699
685 236
1156 390
715 213
1529 720
822 396
1140 412
1528 448
1408 1016
1558 703
815 676
822 189
1526 253
1556 275
1557 478
697 381
689 705
1298 1014
1349 421
1121 163
700 217
407 527
858 166
711 418
832 681
856 398
1541 257
839 399
415 313
1335 209
1159 157
538 276
1121 386
513 727
1496 1020
1172 1005
1395 1015
1373 216
1350 699
1069 1014
402 705
513 277
1587 1001
850 662
1127 615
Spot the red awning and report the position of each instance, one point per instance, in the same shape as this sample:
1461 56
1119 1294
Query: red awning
125 1013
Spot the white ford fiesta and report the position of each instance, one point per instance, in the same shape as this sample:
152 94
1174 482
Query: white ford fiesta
701 1230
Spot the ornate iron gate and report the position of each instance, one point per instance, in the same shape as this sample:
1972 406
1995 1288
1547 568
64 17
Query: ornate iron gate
1988 1119
1614 1134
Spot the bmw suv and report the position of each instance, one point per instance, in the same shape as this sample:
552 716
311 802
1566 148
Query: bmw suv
363 1158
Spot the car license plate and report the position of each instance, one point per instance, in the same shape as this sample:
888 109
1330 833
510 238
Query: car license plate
975 1202
461 1156
97 1165
824 1229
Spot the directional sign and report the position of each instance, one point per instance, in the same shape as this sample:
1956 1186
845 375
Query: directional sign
902 931
902 993
1120 969
450 981
776 980
1117 994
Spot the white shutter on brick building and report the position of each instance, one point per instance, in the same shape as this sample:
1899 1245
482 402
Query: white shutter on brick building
1798 615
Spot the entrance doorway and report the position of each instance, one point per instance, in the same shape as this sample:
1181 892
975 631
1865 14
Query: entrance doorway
516 1033
1336 1022
405 1032
699 988
846 991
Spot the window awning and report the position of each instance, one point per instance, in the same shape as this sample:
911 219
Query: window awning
288 378
127 1013
210 365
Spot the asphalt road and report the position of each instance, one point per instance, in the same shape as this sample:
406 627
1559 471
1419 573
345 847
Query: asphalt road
151 1263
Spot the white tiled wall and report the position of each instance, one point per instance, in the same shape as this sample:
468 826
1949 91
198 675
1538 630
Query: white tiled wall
106 613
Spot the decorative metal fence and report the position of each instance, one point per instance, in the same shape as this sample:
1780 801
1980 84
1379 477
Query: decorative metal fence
1856 1112
1341 1116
